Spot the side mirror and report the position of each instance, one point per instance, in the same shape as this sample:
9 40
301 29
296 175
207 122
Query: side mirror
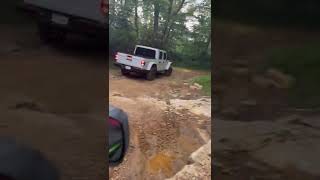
118 135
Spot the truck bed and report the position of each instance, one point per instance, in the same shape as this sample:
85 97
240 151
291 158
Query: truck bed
88 9
131 60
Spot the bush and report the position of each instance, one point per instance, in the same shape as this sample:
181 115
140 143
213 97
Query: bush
303 64
205 82
271 12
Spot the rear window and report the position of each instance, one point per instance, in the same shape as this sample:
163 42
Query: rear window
146 53
165 56
160 57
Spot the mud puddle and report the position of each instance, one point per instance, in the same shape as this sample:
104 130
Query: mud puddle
165 134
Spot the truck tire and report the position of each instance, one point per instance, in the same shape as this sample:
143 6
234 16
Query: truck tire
124 72
151 75
168 72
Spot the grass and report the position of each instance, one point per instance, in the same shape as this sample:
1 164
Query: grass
205 82
303 64
198 64
193 66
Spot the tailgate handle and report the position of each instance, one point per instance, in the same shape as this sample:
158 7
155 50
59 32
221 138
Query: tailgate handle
129 58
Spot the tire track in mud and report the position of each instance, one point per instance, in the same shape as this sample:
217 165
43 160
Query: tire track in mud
165 137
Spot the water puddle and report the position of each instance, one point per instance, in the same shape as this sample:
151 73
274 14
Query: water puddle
161 163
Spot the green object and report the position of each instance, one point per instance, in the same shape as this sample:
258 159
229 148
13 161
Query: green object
205 82
114 148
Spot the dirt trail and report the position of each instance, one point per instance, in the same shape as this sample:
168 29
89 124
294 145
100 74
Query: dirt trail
163 133
257 136
53 100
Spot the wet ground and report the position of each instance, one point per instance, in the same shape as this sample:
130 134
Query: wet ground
53 99
256 133
164 132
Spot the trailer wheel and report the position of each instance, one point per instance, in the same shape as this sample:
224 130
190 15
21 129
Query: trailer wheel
151 75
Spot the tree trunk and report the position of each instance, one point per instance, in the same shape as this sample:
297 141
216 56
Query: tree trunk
166 24
169 23
209 43
156 17
111 11
156 22
136 18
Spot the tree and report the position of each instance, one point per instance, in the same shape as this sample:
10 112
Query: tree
163 24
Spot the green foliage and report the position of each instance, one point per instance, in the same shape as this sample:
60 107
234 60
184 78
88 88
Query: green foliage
121 39
186 47
270 12
205 82
303 64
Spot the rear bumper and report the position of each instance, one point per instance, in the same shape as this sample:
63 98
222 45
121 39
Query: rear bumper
133 69
75 24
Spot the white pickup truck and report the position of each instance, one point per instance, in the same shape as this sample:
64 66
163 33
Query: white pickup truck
56 18
147 60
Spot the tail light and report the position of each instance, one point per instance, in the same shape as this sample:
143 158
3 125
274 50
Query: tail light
142 62
104 7
116 57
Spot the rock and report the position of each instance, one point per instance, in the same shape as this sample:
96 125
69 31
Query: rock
298 148
226 171
240 71
280 80
117 94
29 105
240 63
262 82
230 112
175 95
198 85
249 102
193 87
292 119
200 167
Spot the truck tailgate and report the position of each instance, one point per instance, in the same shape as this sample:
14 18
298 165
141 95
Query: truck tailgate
129 60
89 9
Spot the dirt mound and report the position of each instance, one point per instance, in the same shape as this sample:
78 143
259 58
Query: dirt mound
200 167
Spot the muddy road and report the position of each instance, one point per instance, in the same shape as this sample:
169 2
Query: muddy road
53 99
168 121
257 134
